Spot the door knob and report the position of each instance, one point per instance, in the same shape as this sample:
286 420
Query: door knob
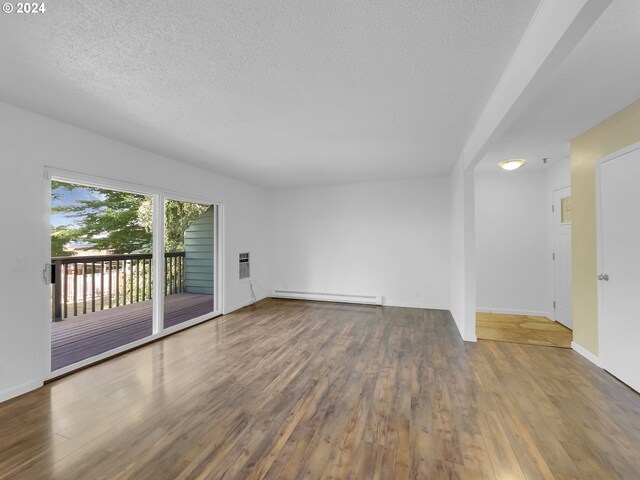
603 276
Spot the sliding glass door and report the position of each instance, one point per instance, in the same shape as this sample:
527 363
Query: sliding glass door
108 289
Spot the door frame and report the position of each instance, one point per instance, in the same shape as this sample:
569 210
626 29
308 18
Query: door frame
158 196
555 252
599 237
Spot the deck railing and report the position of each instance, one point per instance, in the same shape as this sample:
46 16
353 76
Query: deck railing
93 283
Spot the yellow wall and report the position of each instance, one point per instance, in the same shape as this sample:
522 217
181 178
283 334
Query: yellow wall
613 134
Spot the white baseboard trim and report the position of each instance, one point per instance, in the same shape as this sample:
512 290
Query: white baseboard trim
469 338
508 311
384 303
328 297
586 354
18 390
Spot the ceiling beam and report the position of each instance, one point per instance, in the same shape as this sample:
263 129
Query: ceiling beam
554 31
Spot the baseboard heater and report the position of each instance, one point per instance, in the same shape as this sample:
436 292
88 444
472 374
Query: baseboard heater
329 297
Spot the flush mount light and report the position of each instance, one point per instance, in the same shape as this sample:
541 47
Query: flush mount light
512 164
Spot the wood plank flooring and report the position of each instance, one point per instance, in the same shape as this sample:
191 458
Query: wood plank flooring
522 329
293 389
81 337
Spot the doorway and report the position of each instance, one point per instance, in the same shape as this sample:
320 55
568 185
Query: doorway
514 245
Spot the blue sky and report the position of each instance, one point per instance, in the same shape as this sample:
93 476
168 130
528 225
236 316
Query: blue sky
69 197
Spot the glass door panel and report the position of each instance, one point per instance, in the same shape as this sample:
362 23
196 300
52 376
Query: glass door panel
101 244
190 239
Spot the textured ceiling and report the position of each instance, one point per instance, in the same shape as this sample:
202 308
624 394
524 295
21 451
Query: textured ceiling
599 77
277 93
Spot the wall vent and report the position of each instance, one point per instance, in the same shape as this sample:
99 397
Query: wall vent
243 263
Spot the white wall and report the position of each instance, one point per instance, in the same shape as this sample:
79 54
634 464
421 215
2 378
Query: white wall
28 142
462 282
384 238
557 176
511 242
457 275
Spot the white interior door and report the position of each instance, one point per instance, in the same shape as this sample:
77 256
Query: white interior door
562 256
619 266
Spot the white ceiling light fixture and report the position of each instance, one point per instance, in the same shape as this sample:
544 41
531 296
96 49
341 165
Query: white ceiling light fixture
512 164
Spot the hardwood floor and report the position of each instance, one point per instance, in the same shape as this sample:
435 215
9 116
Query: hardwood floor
522 329
293 389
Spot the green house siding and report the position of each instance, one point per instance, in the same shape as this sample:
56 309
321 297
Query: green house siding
198 257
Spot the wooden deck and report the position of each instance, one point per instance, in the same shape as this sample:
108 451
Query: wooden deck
77 338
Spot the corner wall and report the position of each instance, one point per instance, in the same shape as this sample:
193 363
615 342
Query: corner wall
611 135
462 280
28 142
